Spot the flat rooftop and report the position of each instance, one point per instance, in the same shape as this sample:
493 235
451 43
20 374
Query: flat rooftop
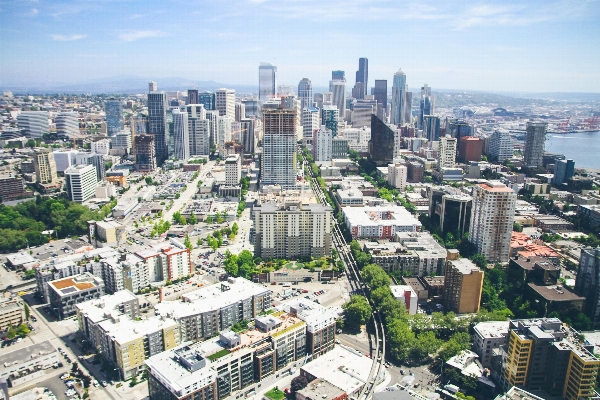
380 215
493 329
555 292
97 309
464 266
28 353
74 284
124 329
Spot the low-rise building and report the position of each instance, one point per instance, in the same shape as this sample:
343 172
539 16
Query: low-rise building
407 296
591 213
12 313
28 363
552 223
381 222
487 337
67 292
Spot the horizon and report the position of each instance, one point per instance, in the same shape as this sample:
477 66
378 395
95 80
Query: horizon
538 47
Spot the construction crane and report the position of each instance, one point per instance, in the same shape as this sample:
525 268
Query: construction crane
564 126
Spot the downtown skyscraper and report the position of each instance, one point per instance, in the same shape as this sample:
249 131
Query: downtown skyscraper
114 116
399 100
535 138
337 86
305 93
267 82
362 76
426 104
157 122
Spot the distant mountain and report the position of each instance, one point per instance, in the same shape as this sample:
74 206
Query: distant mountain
128 84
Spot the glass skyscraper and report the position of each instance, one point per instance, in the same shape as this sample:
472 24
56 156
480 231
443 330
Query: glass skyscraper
398 98
114 116
267 82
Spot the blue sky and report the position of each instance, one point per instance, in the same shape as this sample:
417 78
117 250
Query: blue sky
543 46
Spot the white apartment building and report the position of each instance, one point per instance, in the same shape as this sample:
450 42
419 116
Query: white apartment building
278 166
379 221
33 123
233 169
407 296
81 182
44 166
322 143
487 337
224 132
397 174
64 159
225 102
198 130
67 124
181 138
358 138
501 146
122 140
447 152
101 146
492 217
311 120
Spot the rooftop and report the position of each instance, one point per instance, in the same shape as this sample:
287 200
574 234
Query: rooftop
77 283
380 215
124 329
321 389
516 393
495 186
555 292
28 353
98 309
464 266
493 329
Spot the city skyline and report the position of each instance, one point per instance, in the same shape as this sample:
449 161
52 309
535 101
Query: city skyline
538 46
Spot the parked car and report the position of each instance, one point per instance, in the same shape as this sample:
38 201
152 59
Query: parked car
104 383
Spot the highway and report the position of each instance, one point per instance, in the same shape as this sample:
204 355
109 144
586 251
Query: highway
358 286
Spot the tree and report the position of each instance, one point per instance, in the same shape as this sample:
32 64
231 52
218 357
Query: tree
192 220
209 219
357 311
298 383
235 228
245 257
479 260
27 312
517 227
188 243
11 334
401 339
375 276
23 330
246 271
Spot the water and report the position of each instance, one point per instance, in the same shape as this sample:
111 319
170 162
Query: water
582 147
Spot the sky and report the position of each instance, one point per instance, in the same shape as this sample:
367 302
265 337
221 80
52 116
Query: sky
536 46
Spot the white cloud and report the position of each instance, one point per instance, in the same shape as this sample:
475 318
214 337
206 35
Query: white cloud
33 12
67 38
135 35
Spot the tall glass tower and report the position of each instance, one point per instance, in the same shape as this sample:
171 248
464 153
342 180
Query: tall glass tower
114 116
305 93
398 97
267 82
157 123
362 76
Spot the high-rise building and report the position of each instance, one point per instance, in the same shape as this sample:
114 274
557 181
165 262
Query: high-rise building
338 75
33 124
408 107
225 102
322 144
240 111
207 99
224 132
381 145
97 160
492 218
431 128
399 90
192 97
463 285
181 137
458 128
152 86
426 104
114 116
292 230
198 130
305 93
144 153
397 174
157 123
267 82
339 147
81 182
233 169
545 354
338 90
278 166
501 146
563 171
535 138
447 152
470 148
380 92
67 124
252 107
248 138
362 77
587 283
330 118
45 166
311 120
123 140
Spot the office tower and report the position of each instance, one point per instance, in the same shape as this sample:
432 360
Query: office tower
33 124
285 90
322 144
192 97
399 90
463 284
338 75
362 76
224 133
447 152
181 137
535 137
213 117
225 102
362 110
305 93
426 104
248 140
408 107
330 118
144 153
545 354
397 174
318 100
338 98
470 148
81 182
381 145
431 128
152 86
233 169
198 130
44 166
240 111
267 82
278 166
67 124
207 99
587 283
292 230
492 218
379 91
252 108
97 160
101 146
122 140
457 128
114 116
157 123
501 146
311 120
563 171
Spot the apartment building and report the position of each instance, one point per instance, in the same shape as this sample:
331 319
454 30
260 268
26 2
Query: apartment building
291 230
379 221
487 337
81 182
320 324
65 293
45 166
12 313
225 102
463 284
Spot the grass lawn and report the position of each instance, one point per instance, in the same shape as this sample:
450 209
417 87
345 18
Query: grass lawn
293 265
275 394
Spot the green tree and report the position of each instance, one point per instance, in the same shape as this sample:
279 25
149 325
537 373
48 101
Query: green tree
357 311
29 274
425 344
517 227
23 330
479 260
235 228
401 339
375 276
192 220
188 243
11 334
27 311
209 219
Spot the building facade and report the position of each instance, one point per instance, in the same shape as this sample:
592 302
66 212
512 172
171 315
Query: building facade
45 166
33 124
322 143
279 164
535 138
587 283
81 182
181 136
463 284
267 82
157 124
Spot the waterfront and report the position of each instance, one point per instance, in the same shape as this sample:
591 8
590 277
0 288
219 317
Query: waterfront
582 147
